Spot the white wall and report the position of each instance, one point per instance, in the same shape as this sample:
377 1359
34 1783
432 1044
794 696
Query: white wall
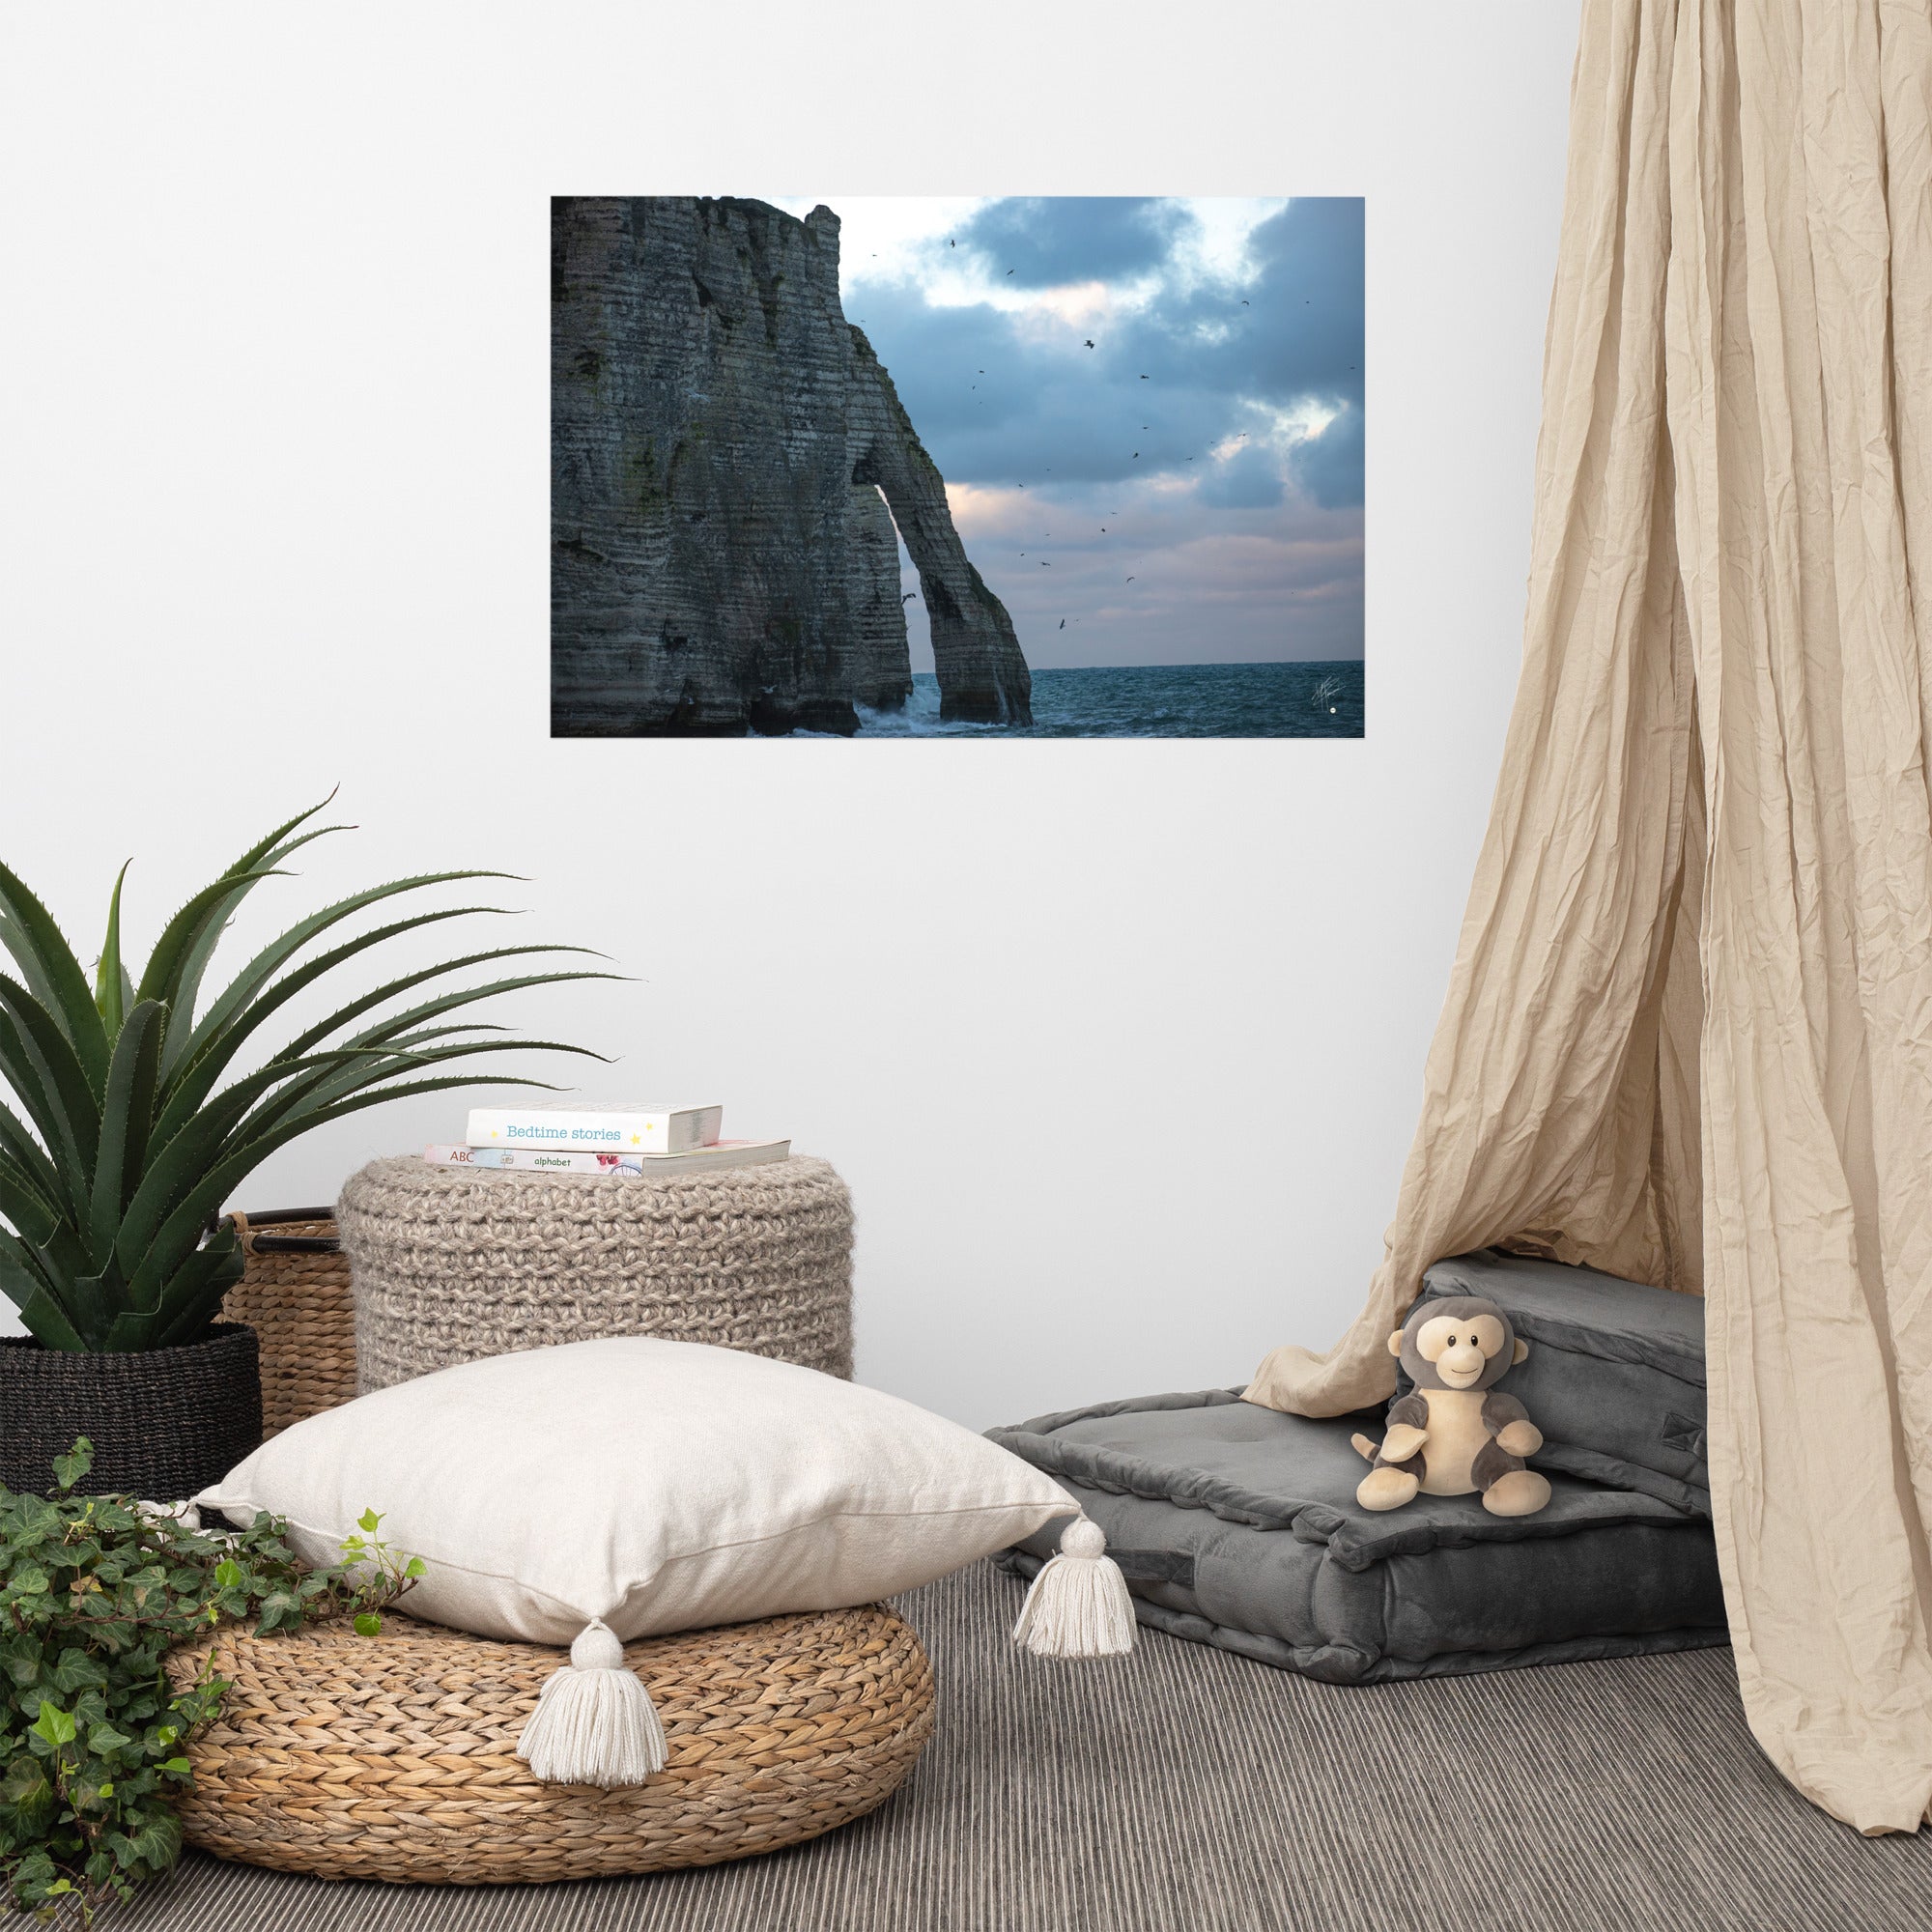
1119 1043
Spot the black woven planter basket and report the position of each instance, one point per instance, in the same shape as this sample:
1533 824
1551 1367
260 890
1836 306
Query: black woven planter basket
164 1423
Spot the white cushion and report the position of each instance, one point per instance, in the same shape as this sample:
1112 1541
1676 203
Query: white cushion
655 1486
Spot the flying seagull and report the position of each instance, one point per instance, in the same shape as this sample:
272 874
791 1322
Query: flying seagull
1090 345
1009 271
1245 303
1137 456
1142 379
1130 579
1063 623
910 594
950 243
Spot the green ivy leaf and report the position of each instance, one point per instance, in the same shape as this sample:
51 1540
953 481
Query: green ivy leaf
368 1624
74 1670
176 1767
415 1567
70 1468
227 1573
368 1521
53 1726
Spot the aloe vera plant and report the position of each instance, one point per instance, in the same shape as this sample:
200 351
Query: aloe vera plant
123 1141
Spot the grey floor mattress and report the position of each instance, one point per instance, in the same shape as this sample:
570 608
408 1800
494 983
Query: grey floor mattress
1237 1525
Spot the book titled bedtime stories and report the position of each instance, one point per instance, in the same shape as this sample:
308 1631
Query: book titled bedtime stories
621 1129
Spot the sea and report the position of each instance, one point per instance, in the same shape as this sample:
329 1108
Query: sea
1223 700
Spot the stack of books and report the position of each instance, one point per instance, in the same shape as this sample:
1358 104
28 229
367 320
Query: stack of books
603 1140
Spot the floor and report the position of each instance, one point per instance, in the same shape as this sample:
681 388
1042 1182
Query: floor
1184 1790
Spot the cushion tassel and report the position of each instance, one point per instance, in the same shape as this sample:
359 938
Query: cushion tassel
594 1722
1078 1606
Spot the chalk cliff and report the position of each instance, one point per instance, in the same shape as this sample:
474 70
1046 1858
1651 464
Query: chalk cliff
728 458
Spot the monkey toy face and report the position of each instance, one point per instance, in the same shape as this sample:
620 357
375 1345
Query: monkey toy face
1457 1342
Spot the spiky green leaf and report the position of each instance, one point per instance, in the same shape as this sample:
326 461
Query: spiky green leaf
40 1064
127 1113
110 977
266 855
48 964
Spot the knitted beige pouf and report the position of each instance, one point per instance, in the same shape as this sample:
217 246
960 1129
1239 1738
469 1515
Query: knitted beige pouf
394 1756
453 1264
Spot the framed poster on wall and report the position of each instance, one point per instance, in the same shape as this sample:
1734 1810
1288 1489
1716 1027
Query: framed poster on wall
884 466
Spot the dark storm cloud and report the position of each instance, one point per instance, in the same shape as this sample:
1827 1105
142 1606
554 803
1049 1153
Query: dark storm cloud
1003 398
1049 241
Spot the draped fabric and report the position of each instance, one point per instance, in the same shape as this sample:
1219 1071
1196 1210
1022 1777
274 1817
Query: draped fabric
1689 1030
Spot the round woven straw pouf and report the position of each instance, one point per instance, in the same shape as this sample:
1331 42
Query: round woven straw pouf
452 1263
394 1756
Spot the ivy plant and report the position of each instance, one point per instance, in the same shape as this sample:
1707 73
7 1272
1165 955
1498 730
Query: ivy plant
95 1591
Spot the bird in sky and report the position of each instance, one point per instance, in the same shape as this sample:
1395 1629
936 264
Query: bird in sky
1142 379
909 595
1090 344
1046 564
1063 623
950 243
1245 303
1137 456
1009 271
1130 579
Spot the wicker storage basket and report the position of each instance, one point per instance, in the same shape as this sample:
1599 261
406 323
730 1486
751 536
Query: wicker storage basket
295 1296
394 1756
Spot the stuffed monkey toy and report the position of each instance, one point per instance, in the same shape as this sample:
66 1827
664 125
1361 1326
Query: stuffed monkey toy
1456 1433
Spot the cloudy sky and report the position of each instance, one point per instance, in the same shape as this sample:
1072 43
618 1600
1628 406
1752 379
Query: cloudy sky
1163 390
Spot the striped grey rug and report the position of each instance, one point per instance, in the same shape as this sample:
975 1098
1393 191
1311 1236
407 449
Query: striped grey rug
1186 1790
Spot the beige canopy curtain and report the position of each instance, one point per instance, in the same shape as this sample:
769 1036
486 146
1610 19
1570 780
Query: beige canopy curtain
1689 1032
